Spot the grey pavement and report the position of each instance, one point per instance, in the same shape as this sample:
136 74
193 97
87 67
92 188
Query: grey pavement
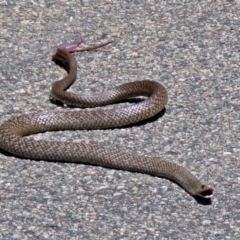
192 48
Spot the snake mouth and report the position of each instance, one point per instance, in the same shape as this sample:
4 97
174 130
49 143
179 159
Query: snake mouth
206 192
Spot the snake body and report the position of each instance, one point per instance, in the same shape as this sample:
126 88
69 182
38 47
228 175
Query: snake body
14 130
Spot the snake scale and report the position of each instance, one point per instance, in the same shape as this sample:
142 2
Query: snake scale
14 130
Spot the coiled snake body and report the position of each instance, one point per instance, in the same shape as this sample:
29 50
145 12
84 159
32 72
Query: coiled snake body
14 130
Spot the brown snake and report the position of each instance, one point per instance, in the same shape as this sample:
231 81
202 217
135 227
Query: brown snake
14 130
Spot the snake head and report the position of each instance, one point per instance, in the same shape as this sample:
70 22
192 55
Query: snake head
68 45
204 191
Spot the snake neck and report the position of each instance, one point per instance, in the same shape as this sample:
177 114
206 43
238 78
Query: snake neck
66 82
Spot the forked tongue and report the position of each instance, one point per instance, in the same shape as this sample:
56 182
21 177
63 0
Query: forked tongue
69 45
72 45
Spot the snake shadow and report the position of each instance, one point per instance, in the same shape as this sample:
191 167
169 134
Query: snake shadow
203 201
